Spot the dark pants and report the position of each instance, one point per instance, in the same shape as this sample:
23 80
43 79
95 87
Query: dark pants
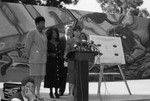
63 80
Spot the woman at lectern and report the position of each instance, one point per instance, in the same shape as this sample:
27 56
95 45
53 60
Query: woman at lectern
72 45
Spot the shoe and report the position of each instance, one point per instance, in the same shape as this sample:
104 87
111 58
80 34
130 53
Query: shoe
61 94
57 95
39 98
51 95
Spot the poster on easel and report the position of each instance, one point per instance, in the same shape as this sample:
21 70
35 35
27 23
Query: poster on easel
110 48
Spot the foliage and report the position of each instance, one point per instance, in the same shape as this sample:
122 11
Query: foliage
124 7
59 3
53 3
108 6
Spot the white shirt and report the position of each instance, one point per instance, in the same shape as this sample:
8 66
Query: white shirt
16 99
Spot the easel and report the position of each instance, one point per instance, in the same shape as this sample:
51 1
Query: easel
101 77
111 52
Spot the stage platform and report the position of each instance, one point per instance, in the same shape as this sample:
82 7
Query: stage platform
110 91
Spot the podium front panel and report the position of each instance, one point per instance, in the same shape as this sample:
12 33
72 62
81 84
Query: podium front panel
81 55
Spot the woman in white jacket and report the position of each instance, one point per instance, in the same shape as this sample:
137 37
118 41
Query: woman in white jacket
36 52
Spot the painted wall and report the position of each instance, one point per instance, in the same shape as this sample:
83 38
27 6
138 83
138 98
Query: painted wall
17 19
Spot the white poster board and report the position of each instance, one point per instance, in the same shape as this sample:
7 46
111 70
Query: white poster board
110 48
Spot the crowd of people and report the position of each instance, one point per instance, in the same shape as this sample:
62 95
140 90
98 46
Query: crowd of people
47 55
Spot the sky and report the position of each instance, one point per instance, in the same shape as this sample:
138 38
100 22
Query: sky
92 5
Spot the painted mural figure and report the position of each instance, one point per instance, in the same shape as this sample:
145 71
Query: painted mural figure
5 54
134 33
133 49
135 39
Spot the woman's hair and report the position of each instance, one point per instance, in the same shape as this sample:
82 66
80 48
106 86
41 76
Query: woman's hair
49 33
27 80
39 19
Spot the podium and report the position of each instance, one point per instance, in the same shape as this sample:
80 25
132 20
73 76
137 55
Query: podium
81 59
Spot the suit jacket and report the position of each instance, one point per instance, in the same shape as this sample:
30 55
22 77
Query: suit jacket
18 96
67 44
36 47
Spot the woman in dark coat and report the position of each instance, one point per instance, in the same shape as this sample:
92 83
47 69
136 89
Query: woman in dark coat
54 62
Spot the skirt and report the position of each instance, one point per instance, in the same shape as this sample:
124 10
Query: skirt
71 72
37 69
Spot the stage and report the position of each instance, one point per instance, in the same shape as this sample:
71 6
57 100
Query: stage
111 91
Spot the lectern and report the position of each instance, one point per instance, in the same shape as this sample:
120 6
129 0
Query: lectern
81 59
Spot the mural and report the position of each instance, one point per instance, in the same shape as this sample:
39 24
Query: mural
17 19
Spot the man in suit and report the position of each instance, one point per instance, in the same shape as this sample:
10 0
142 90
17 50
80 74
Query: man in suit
27 91
63 39
36 52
